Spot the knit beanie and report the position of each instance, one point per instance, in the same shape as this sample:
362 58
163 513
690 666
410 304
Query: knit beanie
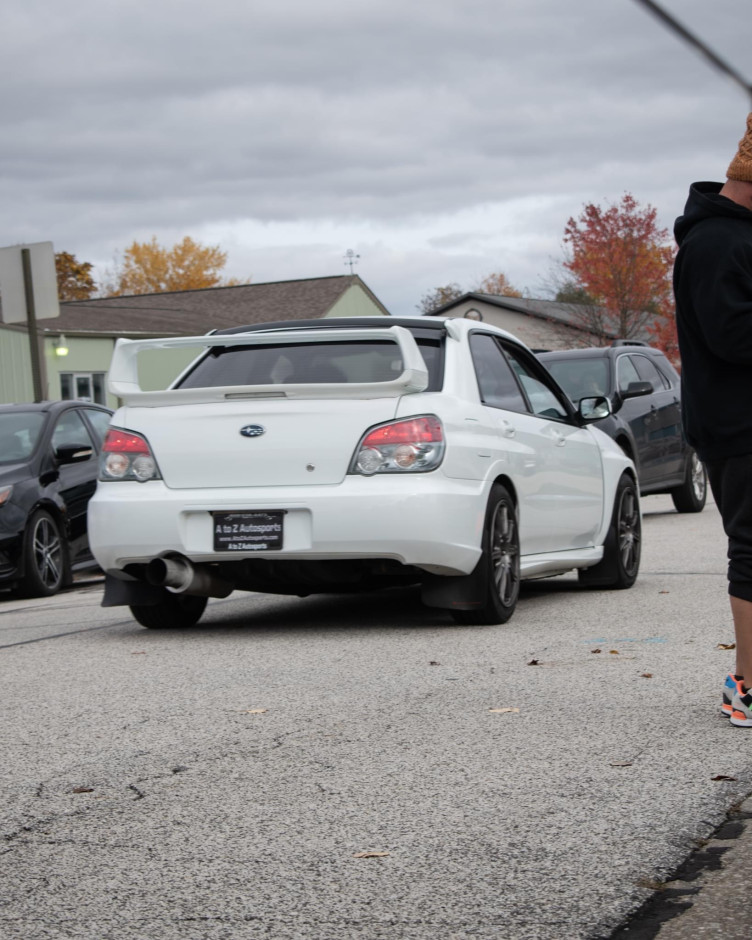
740 167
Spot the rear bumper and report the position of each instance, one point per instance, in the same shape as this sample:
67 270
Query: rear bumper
425 520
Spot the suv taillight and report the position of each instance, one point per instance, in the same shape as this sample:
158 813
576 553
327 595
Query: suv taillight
414 445
127 456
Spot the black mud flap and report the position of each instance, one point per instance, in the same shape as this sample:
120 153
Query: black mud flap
455 592
118 593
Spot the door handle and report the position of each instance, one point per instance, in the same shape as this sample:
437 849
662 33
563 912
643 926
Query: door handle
509 429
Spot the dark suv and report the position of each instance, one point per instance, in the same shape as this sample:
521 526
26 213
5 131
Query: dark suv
643 388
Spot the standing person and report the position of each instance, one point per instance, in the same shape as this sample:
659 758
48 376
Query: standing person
713 288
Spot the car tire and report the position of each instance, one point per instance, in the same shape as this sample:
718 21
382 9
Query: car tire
499 564
175 612
692 494
44 554
621 551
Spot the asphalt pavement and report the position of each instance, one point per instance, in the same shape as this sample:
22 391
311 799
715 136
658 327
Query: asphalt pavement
709 897
338 769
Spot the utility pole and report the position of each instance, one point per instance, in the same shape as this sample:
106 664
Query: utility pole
715 60
38 368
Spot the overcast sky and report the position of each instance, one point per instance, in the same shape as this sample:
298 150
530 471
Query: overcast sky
439 141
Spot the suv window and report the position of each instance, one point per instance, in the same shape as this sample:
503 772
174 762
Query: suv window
648 372
626 373
581 378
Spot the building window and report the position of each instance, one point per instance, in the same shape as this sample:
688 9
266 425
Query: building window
83 386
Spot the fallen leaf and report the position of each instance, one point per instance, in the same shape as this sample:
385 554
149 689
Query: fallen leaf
82 790
646 675
664 592
651 884
434 663
501 711
596 651
726 646
614 652
255 711
620 763
139 653
371 855
722 777
534 662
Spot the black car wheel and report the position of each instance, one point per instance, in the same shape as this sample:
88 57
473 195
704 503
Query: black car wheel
175 612
44 557
691 495
499 564
622 548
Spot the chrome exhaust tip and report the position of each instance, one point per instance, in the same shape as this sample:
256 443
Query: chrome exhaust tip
181 576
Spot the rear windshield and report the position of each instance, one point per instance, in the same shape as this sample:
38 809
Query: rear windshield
19 433
580 378
318 363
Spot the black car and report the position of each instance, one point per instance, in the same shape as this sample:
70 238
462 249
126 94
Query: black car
48 473
643 388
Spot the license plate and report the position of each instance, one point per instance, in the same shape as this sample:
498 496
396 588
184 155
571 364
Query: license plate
248 531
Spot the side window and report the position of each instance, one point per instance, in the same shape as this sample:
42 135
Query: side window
626 373
496 383
70 430
544 401
100 421
649 373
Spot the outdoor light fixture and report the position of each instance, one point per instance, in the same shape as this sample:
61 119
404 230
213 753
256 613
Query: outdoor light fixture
60 346
473 314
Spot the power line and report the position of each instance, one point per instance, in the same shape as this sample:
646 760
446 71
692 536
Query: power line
715 60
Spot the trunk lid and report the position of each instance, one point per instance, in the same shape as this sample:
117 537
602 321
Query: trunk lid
287 442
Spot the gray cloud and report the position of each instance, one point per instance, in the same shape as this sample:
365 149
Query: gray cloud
131 119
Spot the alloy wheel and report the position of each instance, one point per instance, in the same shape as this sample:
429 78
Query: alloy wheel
47 552
505 553
628 530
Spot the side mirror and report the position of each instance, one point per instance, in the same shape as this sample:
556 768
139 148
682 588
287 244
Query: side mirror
73 453
594 409
637 389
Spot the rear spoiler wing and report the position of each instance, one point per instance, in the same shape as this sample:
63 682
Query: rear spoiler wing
123 379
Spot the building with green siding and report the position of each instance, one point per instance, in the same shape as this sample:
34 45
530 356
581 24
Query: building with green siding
77 346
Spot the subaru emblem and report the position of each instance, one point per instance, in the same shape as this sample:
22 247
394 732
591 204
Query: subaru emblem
252 430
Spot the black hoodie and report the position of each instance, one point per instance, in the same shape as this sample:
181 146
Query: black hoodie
713 288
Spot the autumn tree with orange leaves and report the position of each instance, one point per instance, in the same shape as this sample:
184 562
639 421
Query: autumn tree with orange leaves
497 284
74 277
150 268
622 260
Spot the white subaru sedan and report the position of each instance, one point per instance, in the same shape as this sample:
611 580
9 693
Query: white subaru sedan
325 456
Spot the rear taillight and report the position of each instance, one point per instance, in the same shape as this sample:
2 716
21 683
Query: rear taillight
414 445
127 456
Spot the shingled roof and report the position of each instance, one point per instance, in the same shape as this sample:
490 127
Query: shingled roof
552 311
543 309
195 312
